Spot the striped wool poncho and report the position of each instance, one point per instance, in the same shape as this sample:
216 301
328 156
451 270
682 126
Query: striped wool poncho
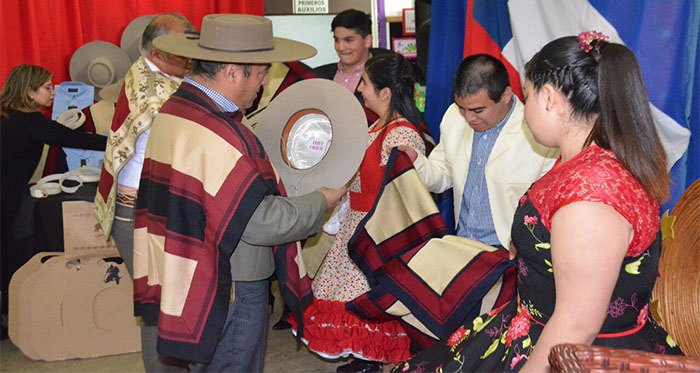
204 175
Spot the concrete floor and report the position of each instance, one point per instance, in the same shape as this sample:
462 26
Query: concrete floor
283 354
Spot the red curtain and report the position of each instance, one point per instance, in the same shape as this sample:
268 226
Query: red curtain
47 32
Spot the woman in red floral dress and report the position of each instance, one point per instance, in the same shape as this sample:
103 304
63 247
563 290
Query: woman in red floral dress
329 329
589 226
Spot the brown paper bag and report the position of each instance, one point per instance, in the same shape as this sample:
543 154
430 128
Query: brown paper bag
82 235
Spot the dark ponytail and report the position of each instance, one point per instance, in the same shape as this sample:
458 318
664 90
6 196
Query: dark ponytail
392 70
607 82
626 123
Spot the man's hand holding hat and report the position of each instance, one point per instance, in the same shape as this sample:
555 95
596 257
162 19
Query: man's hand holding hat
333 197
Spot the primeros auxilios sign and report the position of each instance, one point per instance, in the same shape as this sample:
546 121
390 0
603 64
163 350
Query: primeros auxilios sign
310 6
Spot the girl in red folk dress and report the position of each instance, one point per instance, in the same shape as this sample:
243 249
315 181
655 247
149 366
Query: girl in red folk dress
589 226
329 329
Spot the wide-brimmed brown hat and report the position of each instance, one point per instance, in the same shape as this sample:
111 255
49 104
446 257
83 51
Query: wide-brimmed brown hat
99 63
131 36
235 38
300 120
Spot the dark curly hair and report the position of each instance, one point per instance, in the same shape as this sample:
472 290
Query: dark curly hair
353 19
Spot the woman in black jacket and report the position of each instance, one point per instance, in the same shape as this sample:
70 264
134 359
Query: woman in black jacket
24 131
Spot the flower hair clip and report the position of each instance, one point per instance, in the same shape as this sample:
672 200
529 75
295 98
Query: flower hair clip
586 38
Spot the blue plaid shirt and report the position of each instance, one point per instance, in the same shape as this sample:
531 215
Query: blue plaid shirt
475 220
224 103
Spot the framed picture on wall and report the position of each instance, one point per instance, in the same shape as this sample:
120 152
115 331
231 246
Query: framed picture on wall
405 46
409 21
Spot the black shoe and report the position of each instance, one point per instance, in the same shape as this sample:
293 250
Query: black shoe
359 365
283 324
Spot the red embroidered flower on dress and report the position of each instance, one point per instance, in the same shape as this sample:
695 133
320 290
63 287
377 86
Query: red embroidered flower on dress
457 336
530 220
519 326
641 319
517 359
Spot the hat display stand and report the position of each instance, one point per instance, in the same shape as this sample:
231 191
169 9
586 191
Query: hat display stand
18 307
317 98
102 113
98 310
25 308
74 304
46 299
111 92
63 308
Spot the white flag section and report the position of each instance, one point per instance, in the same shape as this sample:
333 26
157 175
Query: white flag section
536 22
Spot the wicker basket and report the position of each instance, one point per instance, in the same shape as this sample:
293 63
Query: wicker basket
678 288
585 358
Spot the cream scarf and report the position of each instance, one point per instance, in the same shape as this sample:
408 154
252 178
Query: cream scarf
146 91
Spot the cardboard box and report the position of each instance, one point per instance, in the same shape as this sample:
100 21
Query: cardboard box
61 308
82 234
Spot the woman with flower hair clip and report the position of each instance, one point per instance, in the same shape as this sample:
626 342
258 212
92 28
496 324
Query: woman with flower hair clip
587 233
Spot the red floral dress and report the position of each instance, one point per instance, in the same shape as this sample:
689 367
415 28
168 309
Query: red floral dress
329 329
503 339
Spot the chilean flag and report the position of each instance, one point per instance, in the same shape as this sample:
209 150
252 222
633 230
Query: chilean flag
662 34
